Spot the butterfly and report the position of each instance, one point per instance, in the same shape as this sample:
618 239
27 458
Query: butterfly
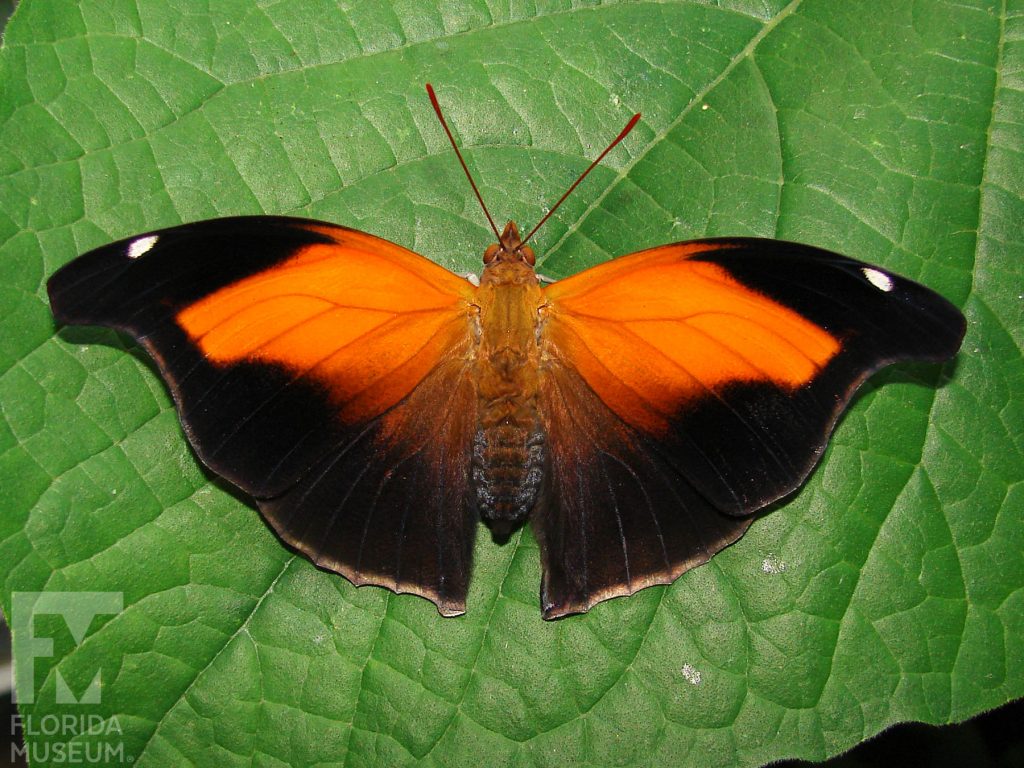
377 407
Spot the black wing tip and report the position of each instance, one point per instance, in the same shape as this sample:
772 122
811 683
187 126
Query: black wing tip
104 285
76 290
941 325
68 305
58 308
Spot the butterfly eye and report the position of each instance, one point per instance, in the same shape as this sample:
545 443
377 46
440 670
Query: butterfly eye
490 253
528 255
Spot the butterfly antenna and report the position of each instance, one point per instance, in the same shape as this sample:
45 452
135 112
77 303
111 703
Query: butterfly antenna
444 124
625 132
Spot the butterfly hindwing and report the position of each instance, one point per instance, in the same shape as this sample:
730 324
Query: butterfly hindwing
717 370
615 515
301 356
389 506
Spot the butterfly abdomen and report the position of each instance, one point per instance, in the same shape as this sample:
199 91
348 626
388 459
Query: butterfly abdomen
508 461
508 446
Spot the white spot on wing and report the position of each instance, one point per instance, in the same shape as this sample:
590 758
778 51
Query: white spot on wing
880 280
143 245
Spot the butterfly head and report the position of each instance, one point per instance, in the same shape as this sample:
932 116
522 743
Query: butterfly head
509 248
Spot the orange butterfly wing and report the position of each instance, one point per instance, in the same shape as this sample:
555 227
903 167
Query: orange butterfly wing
309 364
646 351
687 386
365 318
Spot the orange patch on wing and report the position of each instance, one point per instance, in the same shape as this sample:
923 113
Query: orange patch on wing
651 331
364 317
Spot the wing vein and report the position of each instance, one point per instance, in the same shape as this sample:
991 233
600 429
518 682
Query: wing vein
713 393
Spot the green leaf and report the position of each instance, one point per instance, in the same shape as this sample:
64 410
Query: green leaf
890 588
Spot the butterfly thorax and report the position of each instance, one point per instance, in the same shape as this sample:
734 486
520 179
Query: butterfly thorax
508 447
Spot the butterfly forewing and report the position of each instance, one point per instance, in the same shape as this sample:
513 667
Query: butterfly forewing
304 359
716 370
